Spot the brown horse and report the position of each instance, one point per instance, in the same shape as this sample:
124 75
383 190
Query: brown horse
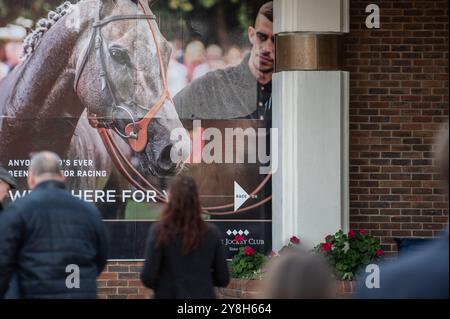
40 109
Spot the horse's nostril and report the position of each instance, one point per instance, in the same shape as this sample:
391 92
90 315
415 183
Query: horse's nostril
166 166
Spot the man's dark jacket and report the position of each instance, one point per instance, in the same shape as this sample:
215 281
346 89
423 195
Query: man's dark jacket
43 233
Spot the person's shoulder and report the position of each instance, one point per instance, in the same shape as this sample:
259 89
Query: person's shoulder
198 91
209 79
13 209
24 203
213 230
153 233
226 73
89 208
154 229
428 267
82 206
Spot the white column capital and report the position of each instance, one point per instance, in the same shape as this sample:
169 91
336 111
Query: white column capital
318 16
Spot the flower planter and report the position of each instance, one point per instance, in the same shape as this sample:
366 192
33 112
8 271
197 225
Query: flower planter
251 289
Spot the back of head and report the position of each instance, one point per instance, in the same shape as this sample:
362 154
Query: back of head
195 53
182 215
299 275
214 52
44 166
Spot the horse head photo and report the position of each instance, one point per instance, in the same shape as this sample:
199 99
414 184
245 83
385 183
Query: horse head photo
96 64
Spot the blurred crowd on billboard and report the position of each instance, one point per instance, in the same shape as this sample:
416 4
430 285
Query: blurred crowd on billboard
189 61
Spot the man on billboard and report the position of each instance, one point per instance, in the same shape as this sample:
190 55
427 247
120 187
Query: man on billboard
237 98
241 92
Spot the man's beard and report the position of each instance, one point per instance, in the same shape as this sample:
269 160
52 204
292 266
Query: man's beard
264 68
266 71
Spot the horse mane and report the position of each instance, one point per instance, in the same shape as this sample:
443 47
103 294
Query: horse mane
42 26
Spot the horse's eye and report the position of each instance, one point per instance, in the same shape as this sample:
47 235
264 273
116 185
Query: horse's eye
120 55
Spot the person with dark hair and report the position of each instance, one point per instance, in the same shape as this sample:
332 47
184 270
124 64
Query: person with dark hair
240 92
185 257
52 242
416 275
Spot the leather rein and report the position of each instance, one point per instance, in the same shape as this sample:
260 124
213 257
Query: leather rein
136 133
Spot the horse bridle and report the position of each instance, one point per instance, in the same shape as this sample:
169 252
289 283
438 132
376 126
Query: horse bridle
136 132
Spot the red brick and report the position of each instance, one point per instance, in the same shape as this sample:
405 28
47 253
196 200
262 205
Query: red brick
108 275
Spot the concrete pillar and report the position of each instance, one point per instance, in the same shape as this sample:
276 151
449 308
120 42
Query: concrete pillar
310 111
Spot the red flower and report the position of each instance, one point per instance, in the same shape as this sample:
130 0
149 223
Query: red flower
380 252
295 240
362 231
328 238
351 234
239 238
249 251
326 246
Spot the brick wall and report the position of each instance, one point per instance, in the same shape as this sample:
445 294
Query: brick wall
120 280
398 101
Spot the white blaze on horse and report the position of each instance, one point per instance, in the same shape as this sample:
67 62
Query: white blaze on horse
105 58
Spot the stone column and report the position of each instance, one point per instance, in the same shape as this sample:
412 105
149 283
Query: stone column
310 111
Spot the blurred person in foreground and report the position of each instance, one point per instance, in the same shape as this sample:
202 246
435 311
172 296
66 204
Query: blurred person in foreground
194 55
4 69
177 45
416 275
13 52
299 275
233 57
45 232
7 182
177 74
185 257
241 92
214 61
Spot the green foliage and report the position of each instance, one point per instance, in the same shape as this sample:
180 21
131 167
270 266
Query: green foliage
189 5
348 253
243 10
247 266
35 9
223 22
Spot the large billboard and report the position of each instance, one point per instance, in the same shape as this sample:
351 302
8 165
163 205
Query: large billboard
130 94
